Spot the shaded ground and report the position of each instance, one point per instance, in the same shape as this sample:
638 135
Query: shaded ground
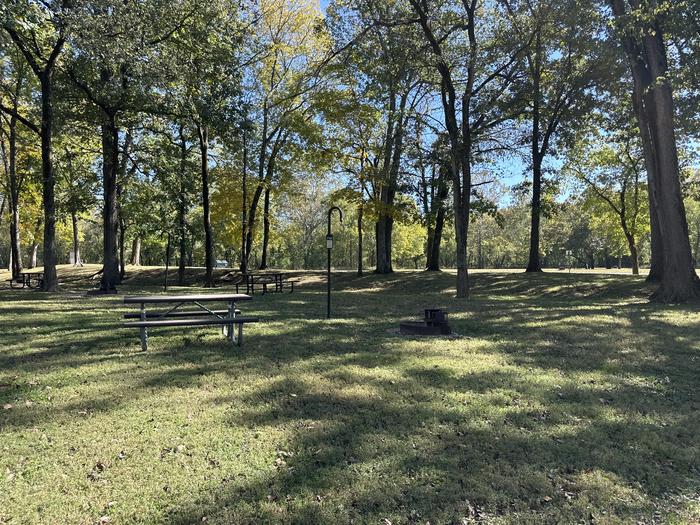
570 399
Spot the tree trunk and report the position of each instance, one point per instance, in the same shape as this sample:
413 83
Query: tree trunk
181 212
50 282
208 236
15 244
122 240
136 251
433 263
77 261
266 229
461 233
696 258
657 251
34 250
634 255
438 210
360 213
647 57
244 255
392 164
33 255
121 221
383 241
110 162
533 264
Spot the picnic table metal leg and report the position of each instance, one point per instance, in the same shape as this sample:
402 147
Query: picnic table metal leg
231 315
144 330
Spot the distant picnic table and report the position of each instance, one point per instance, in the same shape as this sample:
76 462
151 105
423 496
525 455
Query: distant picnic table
25 279
201 316
267 282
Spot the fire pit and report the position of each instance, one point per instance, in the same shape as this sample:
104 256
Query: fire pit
434 323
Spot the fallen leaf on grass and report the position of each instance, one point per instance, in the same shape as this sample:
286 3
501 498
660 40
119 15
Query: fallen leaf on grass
96 472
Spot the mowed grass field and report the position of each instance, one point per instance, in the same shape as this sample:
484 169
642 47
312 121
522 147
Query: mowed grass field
567 398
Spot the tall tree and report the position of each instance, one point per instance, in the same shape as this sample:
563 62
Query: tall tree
38 31
207 91
474 80
641 31
13 86
119 76
561 65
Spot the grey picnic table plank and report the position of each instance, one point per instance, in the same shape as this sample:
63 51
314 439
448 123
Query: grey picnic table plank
132 299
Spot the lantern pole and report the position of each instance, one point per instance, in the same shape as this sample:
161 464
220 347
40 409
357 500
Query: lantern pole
329 246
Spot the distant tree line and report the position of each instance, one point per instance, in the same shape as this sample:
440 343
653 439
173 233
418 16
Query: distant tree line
463 134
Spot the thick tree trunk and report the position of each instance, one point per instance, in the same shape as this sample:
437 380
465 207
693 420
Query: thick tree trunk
647 57
50 282
461 235
266 229
433 262
110 162
533 264
77 261
360 213
136 251
208 235
657 250
383 241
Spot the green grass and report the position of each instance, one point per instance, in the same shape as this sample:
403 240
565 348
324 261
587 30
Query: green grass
569 399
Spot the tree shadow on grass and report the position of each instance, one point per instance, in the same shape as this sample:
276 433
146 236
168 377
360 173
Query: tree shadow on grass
379 433
407 458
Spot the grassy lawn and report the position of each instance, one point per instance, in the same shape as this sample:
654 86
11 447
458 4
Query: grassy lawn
568 399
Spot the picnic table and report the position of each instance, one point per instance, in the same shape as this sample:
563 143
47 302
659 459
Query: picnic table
276 280
25 279
200 316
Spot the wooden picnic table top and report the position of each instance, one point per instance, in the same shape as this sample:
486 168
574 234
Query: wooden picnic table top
130 299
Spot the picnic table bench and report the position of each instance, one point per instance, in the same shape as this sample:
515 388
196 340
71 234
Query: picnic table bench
25 279
228 319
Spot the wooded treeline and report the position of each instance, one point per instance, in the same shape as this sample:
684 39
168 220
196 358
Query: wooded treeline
460 133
